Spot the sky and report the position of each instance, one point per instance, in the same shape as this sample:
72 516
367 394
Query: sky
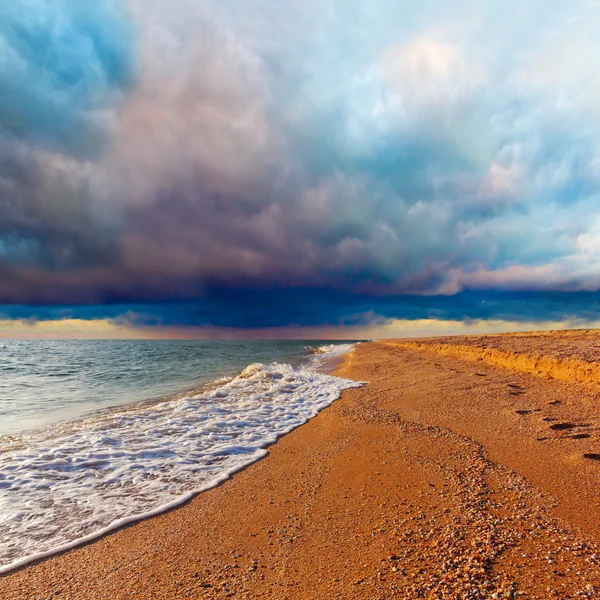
286 168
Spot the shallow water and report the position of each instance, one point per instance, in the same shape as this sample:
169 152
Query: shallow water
43 382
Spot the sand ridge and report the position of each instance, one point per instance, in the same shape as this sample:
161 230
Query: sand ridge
568 356
440 478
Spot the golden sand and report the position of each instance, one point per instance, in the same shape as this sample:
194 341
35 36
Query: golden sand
566 355
449 475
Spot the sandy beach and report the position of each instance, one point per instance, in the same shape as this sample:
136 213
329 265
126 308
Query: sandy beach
465 468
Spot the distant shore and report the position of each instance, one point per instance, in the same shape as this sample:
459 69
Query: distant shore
466 468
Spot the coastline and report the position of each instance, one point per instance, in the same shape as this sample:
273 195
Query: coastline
299 393
439 478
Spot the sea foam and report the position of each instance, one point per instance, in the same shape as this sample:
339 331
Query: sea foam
82 480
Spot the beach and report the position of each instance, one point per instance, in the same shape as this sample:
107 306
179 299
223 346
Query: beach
463 468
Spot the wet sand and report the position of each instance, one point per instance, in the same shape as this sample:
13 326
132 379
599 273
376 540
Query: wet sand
446 476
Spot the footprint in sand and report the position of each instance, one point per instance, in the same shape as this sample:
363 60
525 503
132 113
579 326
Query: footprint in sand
515 389
554 403
591 456
523 412
481 374
563 426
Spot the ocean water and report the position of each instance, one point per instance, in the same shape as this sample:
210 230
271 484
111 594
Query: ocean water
97 434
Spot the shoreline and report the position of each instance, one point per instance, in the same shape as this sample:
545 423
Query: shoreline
323 360
431 479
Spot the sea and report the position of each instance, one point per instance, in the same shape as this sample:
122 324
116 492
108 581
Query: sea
98 434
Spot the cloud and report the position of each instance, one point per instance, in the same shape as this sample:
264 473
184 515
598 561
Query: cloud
63 71
317 309
170 154
63 68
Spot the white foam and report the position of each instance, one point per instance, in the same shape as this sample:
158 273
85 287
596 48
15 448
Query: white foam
71 487
323 354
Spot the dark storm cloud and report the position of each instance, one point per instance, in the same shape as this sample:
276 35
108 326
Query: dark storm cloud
316 308
267 163
64 68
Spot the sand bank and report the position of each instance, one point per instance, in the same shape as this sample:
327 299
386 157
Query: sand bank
445 477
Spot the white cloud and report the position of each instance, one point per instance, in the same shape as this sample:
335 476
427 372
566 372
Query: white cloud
429 67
